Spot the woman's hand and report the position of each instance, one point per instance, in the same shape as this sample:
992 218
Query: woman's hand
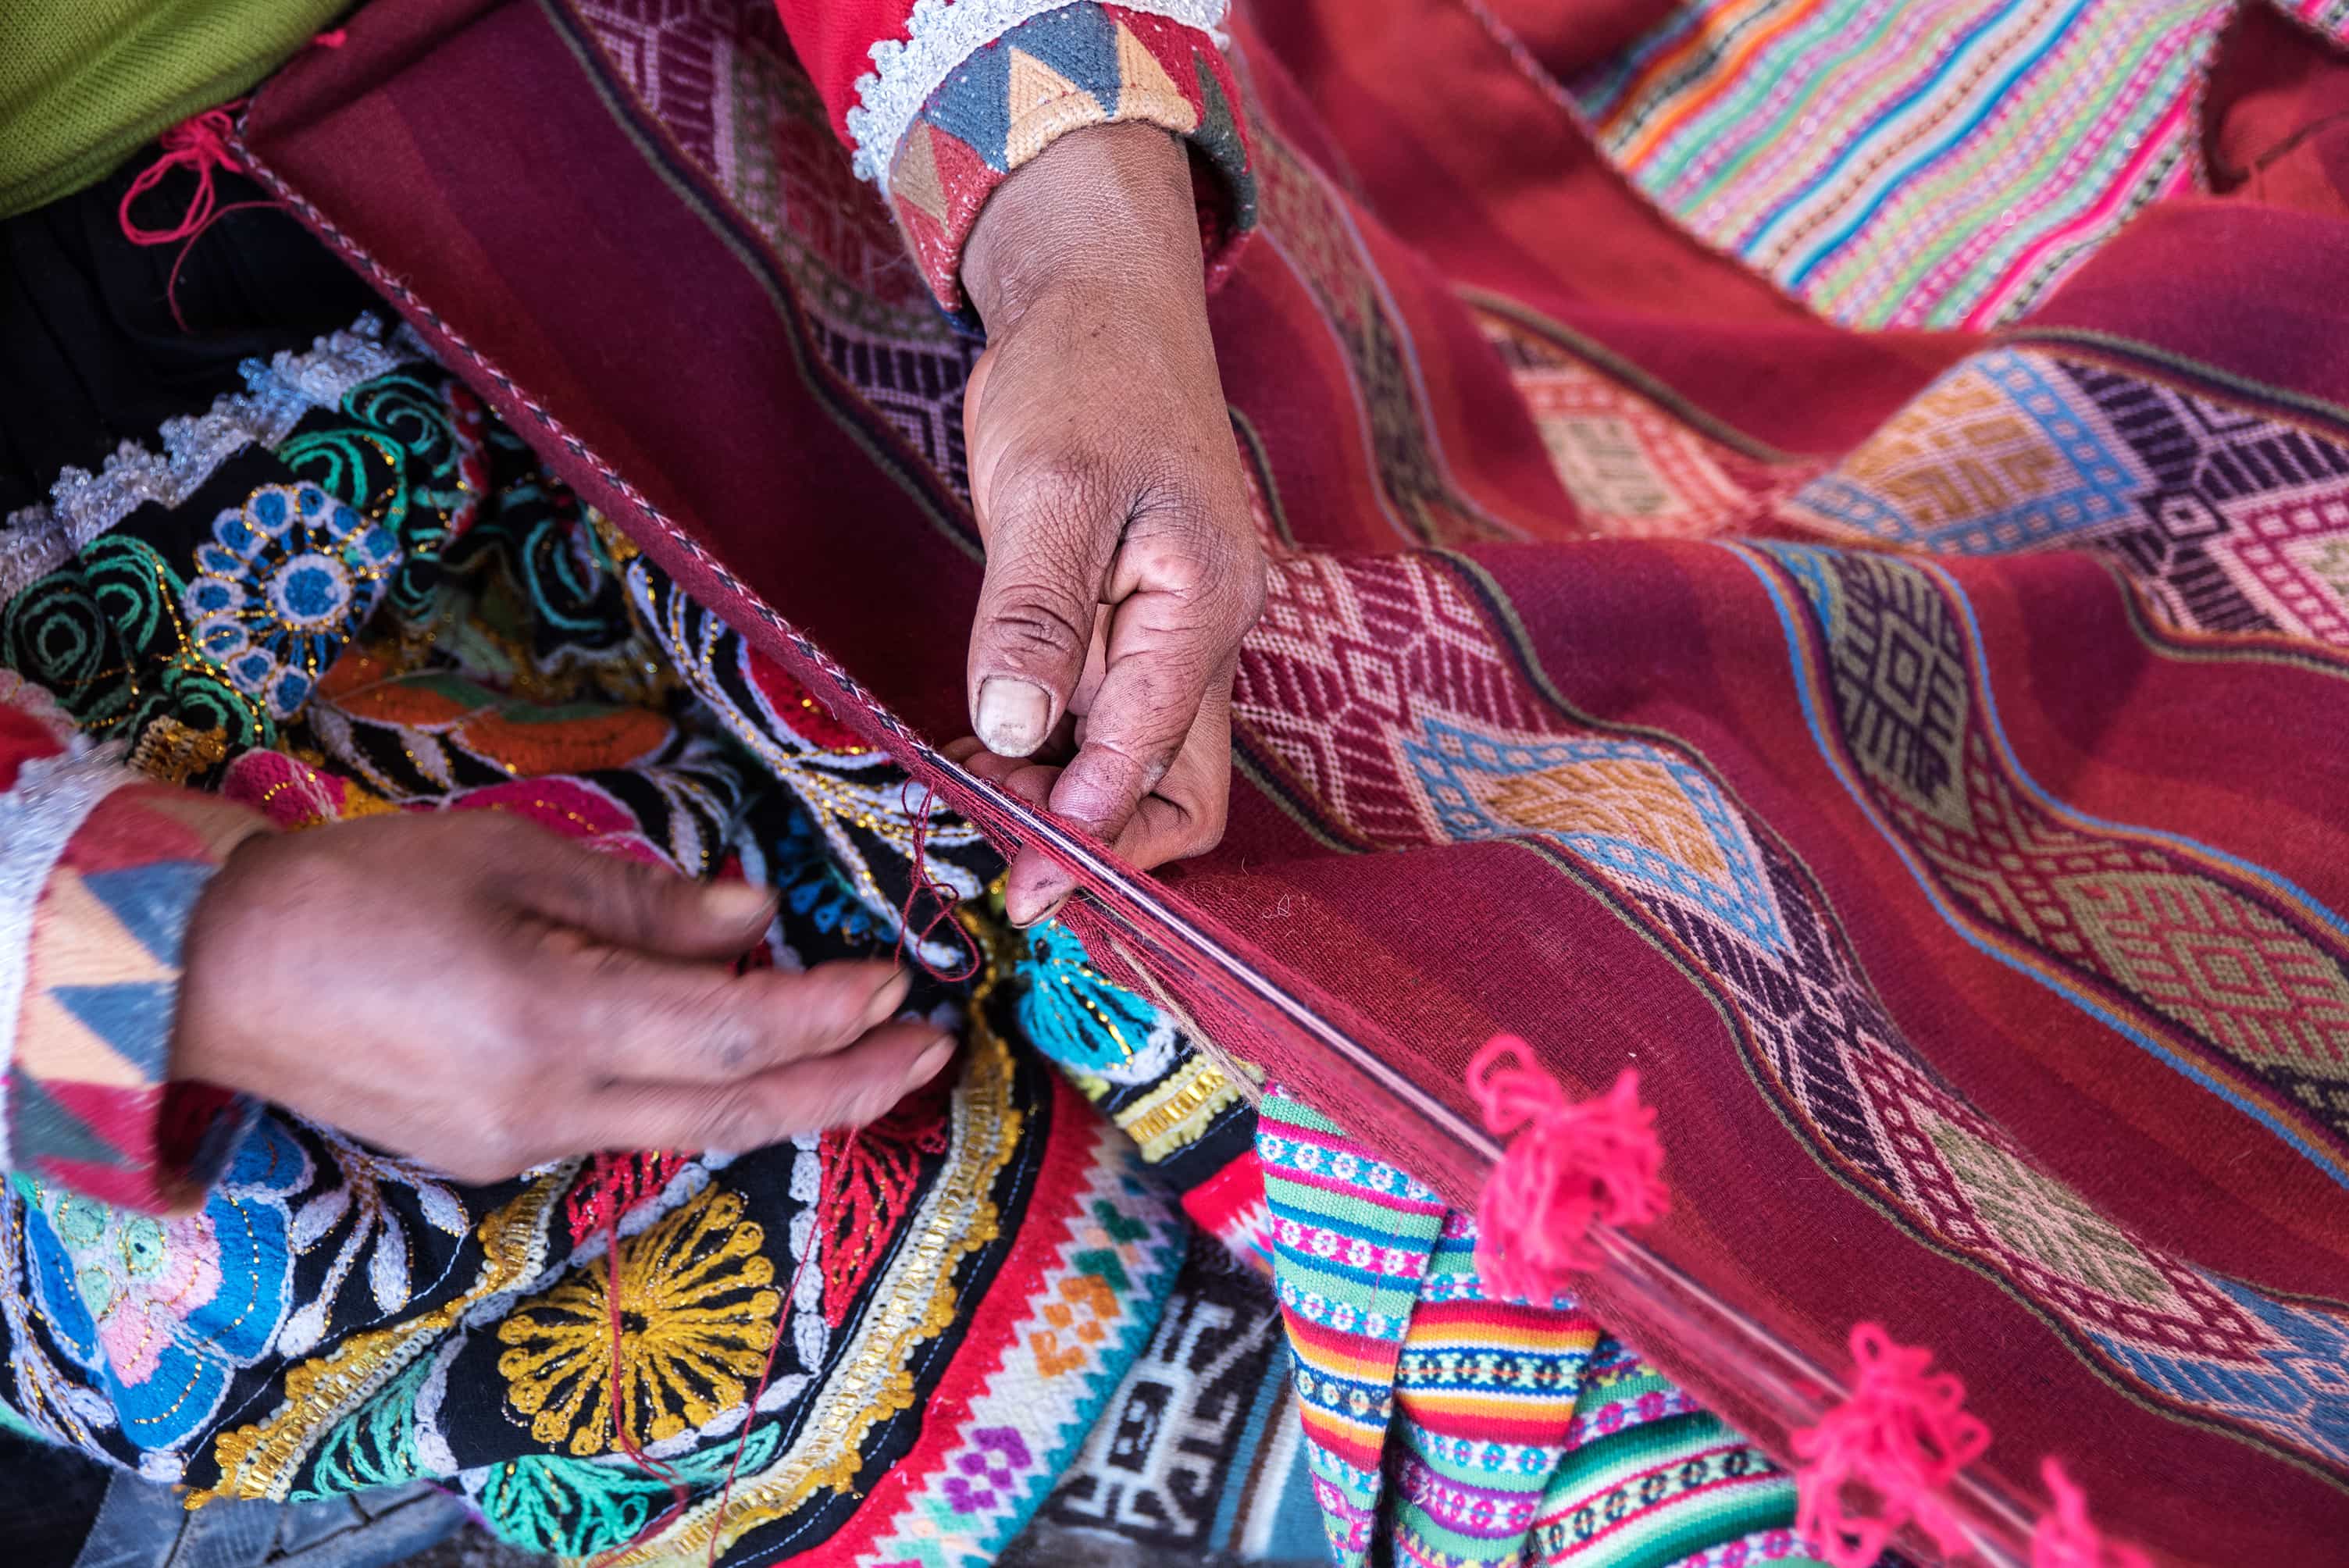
1123 566
471 990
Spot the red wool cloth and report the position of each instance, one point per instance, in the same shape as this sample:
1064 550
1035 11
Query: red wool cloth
1971 916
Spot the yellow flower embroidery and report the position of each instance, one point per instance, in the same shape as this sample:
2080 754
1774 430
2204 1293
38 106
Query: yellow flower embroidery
695 1319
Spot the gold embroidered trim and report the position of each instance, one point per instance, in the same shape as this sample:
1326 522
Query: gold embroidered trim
260 1460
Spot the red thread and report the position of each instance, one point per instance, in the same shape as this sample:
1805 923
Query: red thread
333 38
608 1198
1904 1434
945 898
610 1182
200 143
1575 1165
766 1372
2066 1538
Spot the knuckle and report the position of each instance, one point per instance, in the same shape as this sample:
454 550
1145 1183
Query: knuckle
730 1044
1035 622
1250 581
1206 832
630 893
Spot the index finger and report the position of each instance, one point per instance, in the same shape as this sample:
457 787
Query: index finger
1190 589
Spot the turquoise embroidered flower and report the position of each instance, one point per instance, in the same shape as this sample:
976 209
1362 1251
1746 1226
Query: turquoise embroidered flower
160 1310
1077 1017
283 583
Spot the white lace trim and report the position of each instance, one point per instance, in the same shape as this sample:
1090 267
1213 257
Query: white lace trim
942 33
53 795
41 538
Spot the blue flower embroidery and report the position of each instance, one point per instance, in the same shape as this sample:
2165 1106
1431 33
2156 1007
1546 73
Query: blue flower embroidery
285 581
158 1311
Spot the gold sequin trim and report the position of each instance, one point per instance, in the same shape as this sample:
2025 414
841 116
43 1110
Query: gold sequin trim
260 1459
1179 1111
171 752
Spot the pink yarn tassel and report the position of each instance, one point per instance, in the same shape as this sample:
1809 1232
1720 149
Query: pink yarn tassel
1574 1165
2066 1538
1903 1435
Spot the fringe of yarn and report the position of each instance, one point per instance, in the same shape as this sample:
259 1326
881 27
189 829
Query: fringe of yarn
2066 1538
1572 1166
1904 1435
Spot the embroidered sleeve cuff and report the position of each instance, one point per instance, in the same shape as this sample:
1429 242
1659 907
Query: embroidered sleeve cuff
99 871
983 86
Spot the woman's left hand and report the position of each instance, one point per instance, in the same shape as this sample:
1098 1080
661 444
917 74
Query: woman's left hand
1123 566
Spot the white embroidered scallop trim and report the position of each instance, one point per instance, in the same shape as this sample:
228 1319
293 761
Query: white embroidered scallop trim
39 538
51 798
942 33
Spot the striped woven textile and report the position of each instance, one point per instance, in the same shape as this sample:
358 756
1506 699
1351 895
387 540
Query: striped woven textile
1866 154
1483 1431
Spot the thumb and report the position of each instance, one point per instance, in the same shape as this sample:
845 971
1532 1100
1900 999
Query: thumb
631 904
1051 527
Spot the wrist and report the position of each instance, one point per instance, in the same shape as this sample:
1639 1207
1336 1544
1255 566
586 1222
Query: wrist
199 1052
1107 206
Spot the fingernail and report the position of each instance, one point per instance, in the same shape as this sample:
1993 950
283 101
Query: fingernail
886 1000
1047 912
737 902
930 1063
1012 715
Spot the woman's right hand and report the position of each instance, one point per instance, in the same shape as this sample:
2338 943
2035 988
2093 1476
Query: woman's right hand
475 992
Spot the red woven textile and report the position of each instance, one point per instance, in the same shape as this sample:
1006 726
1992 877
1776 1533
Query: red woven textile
1971 909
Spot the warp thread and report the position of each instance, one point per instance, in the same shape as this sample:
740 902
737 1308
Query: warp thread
1574 1164
1904 1434
2067 1538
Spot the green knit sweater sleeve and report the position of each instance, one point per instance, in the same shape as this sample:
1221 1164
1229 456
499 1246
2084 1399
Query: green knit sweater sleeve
84 83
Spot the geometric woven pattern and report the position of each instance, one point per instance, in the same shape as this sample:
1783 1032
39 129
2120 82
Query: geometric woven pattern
1634 467
2229 520
2251 985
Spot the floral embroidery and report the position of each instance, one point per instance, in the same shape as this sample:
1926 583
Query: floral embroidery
576 1508
372 1224
285 578
104 634
697 1314
161 1310
139 1276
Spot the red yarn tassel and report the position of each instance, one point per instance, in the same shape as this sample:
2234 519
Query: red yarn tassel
200 143
2066 1538
1903 1434
1573 1166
